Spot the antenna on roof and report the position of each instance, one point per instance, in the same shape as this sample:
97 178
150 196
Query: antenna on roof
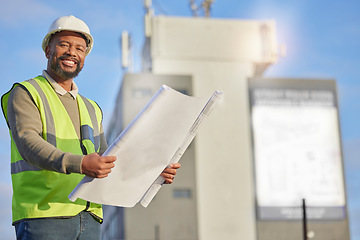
126 53
148 16
205 6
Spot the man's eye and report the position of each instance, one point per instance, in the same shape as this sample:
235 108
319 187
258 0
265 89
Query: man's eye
81 49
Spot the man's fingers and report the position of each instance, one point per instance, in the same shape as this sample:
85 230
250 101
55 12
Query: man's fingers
169 178
167 175
108 165
101 173
109 159
175 165
170 171
102 176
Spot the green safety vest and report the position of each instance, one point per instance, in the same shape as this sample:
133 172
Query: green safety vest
39 193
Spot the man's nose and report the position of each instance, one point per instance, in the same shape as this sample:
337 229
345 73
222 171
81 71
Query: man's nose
71 50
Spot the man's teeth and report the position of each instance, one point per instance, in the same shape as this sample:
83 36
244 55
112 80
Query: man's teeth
69 62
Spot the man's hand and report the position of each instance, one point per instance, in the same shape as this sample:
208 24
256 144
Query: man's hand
169 173
96 166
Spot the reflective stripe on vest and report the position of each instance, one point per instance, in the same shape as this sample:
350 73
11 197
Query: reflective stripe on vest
50 126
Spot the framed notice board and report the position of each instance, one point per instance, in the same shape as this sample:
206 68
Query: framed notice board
297 149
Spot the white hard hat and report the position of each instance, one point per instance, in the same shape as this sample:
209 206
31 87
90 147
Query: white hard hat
69 23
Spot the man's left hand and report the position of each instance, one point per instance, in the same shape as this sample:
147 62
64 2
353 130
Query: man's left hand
169 173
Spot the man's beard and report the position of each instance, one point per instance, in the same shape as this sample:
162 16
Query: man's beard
56 67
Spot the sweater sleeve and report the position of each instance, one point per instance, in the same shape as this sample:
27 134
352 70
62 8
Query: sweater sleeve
103 142
26 129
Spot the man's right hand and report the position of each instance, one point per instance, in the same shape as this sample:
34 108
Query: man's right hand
96 166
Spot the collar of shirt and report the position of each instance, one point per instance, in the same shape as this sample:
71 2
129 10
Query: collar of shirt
74 89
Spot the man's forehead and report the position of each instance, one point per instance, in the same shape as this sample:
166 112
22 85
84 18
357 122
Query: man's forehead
68 35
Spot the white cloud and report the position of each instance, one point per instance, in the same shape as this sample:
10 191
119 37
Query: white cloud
20 12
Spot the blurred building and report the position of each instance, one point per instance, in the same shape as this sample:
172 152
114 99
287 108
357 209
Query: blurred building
214 194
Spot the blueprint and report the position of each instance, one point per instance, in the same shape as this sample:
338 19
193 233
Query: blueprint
157 137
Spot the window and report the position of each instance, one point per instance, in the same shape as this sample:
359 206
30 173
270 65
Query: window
182 193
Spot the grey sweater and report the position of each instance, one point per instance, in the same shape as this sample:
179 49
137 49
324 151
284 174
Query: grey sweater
26 129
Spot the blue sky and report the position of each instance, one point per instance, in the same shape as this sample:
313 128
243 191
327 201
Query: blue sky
322 40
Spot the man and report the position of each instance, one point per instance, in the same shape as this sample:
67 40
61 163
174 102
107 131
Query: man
56 139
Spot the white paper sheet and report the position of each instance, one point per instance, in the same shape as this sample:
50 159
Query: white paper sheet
157 137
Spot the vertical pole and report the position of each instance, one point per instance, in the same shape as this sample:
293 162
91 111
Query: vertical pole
157 232
304 219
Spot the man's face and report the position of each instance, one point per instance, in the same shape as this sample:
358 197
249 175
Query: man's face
66 53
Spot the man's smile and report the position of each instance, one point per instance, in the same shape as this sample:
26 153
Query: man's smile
69 62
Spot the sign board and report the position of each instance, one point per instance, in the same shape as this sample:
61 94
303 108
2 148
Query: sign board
297 149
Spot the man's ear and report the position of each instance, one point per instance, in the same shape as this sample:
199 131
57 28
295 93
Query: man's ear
47 52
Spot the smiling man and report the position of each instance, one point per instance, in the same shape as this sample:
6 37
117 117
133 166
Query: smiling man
57 137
